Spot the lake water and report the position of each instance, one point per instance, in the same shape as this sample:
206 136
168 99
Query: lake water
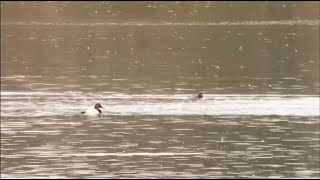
257 64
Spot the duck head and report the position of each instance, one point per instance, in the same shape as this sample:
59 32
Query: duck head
98 106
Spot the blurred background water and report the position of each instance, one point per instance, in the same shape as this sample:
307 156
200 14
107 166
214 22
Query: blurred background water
257 64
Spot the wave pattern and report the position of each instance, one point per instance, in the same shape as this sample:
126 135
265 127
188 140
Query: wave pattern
226 23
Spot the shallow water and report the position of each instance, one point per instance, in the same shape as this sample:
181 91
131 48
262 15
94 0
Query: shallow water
258 68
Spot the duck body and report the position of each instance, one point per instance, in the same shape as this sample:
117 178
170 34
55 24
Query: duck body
96 110
197 97
92 111
200 96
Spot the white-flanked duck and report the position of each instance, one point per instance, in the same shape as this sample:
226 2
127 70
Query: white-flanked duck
93 111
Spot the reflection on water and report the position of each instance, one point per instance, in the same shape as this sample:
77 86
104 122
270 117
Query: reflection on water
257 64
33 104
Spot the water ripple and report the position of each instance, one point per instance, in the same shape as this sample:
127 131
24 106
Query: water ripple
226 23
33 104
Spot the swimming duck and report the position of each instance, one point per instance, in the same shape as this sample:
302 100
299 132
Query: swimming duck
93 111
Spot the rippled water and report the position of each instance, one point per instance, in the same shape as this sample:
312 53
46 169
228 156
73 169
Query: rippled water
33 104
160 146
245 23
256 63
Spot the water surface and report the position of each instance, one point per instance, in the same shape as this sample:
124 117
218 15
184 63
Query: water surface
257 64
